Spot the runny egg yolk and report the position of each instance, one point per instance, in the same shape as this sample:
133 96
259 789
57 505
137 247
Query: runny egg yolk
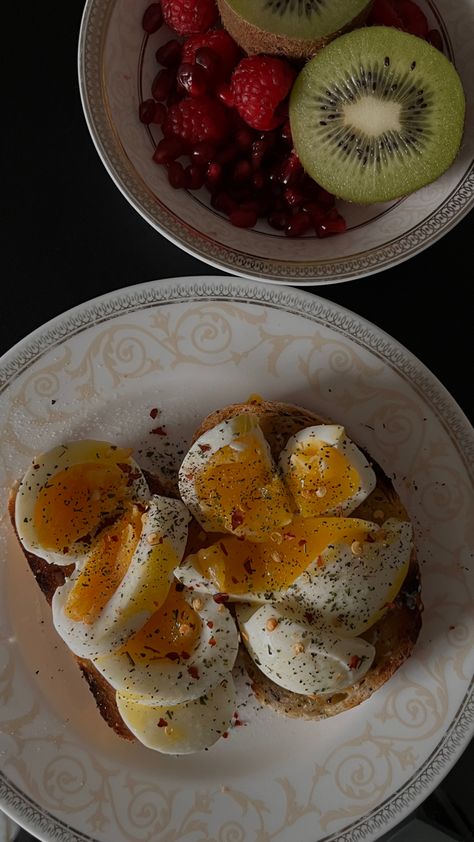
75 501
240 487
105 567
172 631
236 566
320 478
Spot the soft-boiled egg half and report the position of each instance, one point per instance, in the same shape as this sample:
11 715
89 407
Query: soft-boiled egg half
70 492
124 579
297 655
325 472
230 483
188 646
185 728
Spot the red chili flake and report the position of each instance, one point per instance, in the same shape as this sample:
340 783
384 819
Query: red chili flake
159 431
172 656
210 624
162 723
354 662
185 656
204 447
237 518
222 546
212 641
288 536
154 412
248 566
193 672
319 561
220 598
302 543
225 735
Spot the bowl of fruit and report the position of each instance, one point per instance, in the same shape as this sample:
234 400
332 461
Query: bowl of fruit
298 142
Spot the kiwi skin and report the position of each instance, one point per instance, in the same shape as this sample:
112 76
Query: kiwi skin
254 40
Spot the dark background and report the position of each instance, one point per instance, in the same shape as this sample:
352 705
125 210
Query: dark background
69 235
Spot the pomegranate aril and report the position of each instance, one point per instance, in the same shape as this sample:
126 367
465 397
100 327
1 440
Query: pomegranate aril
279 219
316 212
293 198
384 14
244 138
159 113
193 79
298 225
202 153
163 84
228 154
152 18
285 133
243 218
214 174
169 54
242 171
176 175
194 177
260 149
334 224
435 39
210 62
414 20
168 149
225 95
291 170
146 110
324 198
258 180
223 203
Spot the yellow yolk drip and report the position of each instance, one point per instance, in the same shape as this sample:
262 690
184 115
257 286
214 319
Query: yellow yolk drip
236 566
241 490
74 502
320 478
172 630
105 567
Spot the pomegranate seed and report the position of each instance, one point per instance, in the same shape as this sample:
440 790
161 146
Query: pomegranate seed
193 79
169 54
413 18
258 180
298 225
331 225
291 169
260 148
223 203
214 173
250 205
316 212
152 18
210 61
175 96
435 39
176 175
293 198
163 84
279 220
168 149
146 110
159 113
325 199
203 153
228 154
194 177
242 171
242 218
285 133
225 95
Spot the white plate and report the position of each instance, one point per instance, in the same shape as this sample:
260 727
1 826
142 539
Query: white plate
116 68
187 346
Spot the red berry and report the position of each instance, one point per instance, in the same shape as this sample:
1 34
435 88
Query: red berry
384 14
188 17
285 134
176 175
202 153
220 42
298 225
293 197
414 20
242 171
163 84
193 79
146 110
225 95
316 212
228 154
159 113
168 149
214 174
331 224
435 39
223 203
260 149
259 85
153 18
194 177
244 138
210 62
279 220
324 198
197 118
243 218
169 54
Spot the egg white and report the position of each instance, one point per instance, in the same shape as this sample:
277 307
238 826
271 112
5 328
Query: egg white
170 682
140 593
297 655
46 466
190 726
335 436
348 593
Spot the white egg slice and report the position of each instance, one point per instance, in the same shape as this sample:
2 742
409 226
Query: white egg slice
298 656
350 586
98 608
68 493
185 728
325 472
179 676
230 483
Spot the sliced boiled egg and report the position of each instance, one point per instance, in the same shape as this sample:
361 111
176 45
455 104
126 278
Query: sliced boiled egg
188 646
124 579
325 472
70 492
185 728
350 585
261 572
297 655
230 484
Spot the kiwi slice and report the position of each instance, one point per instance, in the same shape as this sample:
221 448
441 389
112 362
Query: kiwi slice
377 114
294 28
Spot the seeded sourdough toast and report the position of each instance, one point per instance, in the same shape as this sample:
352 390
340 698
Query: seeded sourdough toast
394 636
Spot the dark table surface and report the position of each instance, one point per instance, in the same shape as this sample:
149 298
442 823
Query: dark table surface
69 235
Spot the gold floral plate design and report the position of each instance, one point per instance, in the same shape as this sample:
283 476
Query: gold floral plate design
186 346
116 68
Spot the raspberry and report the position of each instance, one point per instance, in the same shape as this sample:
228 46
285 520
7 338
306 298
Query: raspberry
259 85
188 17
220 42
384 14
195 119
